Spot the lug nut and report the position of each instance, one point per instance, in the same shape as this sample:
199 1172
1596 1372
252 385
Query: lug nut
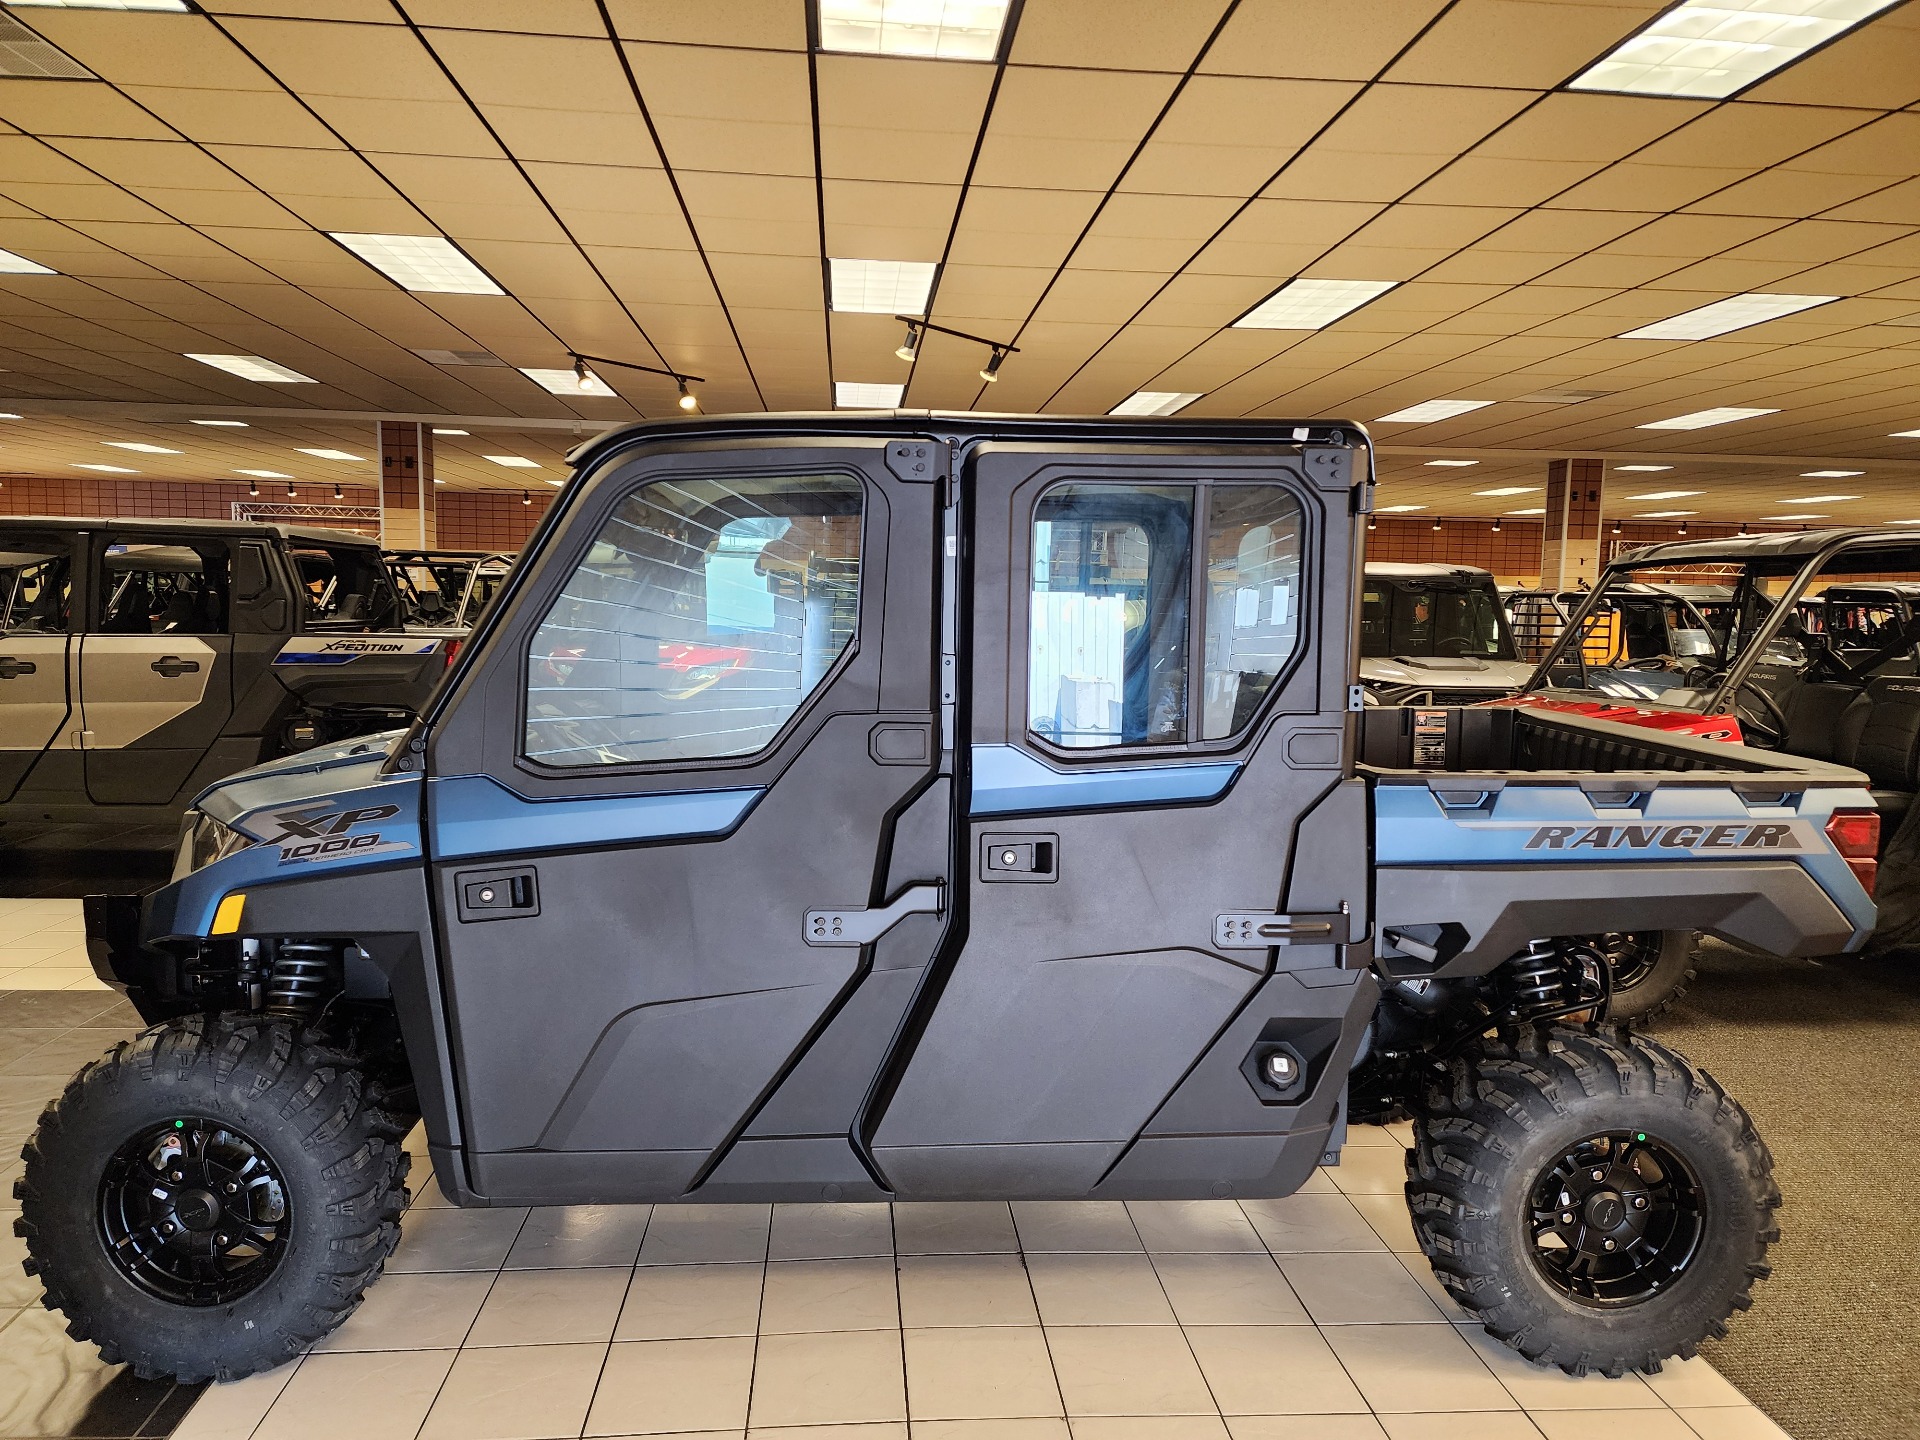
178 1177
231 1187
1639 1202
1609 1245
221 1240
1598 1174
170 1227
1567 1219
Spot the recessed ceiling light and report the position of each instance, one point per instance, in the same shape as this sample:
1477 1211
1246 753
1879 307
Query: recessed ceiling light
142 448
1510 490
108 469
431 264
1535 510
1664 514
177 7
1311 304
570 382
1793 517
329 454
1667 495
1399 509
1905 435
1723 316
1154 402
1700 419
265 474
252 367
857 395
1711 49
515 462
1830 474
550 481
9 415
12 264
880 287
1429 410
1643 469
932 29
1819 499
439 431
230 424
1452 464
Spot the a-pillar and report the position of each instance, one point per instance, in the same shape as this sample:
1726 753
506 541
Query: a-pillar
1570 539
406 485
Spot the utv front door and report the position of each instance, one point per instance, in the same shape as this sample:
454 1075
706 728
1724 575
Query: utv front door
156 682
1160 644
36 597
689 840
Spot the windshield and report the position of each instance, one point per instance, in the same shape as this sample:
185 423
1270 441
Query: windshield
1423 620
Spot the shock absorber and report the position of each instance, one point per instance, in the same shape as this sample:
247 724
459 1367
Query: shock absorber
305 973
1536 981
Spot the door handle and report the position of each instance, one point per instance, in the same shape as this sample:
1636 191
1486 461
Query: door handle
12 669
173 667
861 926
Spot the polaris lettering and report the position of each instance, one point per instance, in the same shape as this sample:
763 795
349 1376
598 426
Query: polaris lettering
1665 837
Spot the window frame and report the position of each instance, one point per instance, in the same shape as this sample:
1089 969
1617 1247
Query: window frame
100 541
1199 594
591 527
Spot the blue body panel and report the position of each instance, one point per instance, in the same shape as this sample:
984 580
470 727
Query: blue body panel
1007 781
474 815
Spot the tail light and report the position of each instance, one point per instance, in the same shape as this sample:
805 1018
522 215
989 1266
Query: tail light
453 649
1856 835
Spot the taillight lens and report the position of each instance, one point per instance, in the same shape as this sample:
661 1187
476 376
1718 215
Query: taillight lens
1856 835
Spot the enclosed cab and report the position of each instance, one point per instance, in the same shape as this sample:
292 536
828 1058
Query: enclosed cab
1435 635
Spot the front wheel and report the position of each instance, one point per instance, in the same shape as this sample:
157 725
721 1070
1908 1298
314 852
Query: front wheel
213 1196
1599 1203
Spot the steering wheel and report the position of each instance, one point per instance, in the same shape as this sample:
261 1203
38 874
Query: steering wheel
1656 662
1452 645
1771 730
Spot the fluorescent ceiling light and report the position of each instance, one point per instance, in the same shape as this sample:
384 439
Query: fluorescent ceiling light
1431 410
1819 499
550 481
12 264
234 424
1536 510
856 395
1664 514
1399 509
9 415
431 264
1716 49
1700 419
1905 435
881 287
329 454
566 382
265 474
1154 402
1452 464
1311 304
1643 469
252 367
1667 495
142 448
515 462
1830 474
178 7
1793 517
1723 316
108 469
1510 490
439 431
933 29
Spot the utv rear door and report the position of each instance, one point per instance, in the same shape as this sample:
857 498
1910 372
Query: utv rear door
36 599
689 841
1159 670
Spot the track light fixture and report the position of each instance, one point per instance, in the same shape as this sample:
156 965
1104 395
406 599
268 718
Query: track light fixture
1373 522
292 494
526 498
1616 527
910 347
338 493
1436 522
1743 527
1683 527
253 487
591 382
992 371
1496 524
918 328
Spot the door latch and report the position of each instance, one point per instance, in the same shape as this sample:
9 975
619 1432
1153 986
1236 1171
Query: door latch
1022 857
12 668
496 894
173 667
863 926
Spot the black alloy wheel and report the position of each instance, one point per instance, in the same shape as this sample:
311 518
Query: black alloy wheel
194 1211
1616 1219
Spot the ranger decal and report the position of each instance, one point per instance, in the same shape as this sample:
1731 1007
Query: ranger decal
1769 835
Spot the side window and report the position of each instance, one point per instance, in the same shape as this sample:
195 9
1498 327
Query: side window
163 589
347 587
36 587
1119 574
704 614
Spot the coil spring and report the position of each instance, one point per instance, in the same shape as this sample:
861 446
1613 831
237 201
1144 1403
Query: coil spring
1538 980
302 977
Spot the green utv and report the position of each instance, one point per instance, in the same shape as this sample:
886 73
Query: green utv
910 806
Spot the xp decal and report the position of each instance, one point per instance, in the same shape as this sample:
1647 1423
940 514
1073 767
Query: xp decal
308 834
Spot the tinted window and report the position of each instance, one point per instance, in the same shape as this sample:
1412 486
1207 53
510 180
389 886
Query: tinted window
704 614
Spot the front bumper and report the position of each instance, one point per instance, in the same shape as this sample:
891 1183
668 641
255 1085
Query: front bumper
113 937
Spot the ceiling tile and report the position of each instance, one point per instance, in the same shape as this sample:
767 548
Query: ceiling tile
1067 129
1114 34
1227 135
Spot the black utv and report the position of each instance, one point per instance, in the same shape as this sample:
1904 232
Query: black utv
927 807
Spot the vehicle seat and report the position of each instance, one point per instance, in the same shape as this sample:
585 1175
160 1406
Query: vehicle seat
1880 734
1813 710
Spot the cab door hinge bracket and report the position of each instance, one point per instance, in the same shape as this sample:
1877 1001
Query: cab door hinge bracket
861 926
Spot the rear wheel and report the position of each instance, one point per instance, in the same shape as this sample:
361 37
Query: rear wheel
1596 1201
1650 971
212 1197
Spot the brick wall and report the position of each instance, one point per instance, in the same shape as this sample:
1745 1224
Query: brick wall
487 519
1513 555
172 500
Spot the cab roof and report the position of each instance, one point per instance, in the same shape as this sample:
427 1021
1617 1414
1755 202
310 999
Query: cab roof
149 525
1783 545
1396 570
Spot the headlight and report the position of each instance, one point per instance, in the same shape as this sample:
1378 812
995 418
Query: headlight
206 840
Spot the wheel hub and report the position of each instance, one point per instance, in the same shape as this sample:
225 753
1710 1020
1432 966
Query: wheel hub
194 1211
1616 1219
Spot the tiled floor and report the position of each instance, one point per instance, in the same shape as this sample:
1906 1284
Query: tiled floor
42 946
1309 1318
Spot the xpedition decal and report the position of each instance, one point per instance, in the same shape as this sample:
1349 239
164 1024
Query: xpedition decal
1770 835
306 650
319 834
